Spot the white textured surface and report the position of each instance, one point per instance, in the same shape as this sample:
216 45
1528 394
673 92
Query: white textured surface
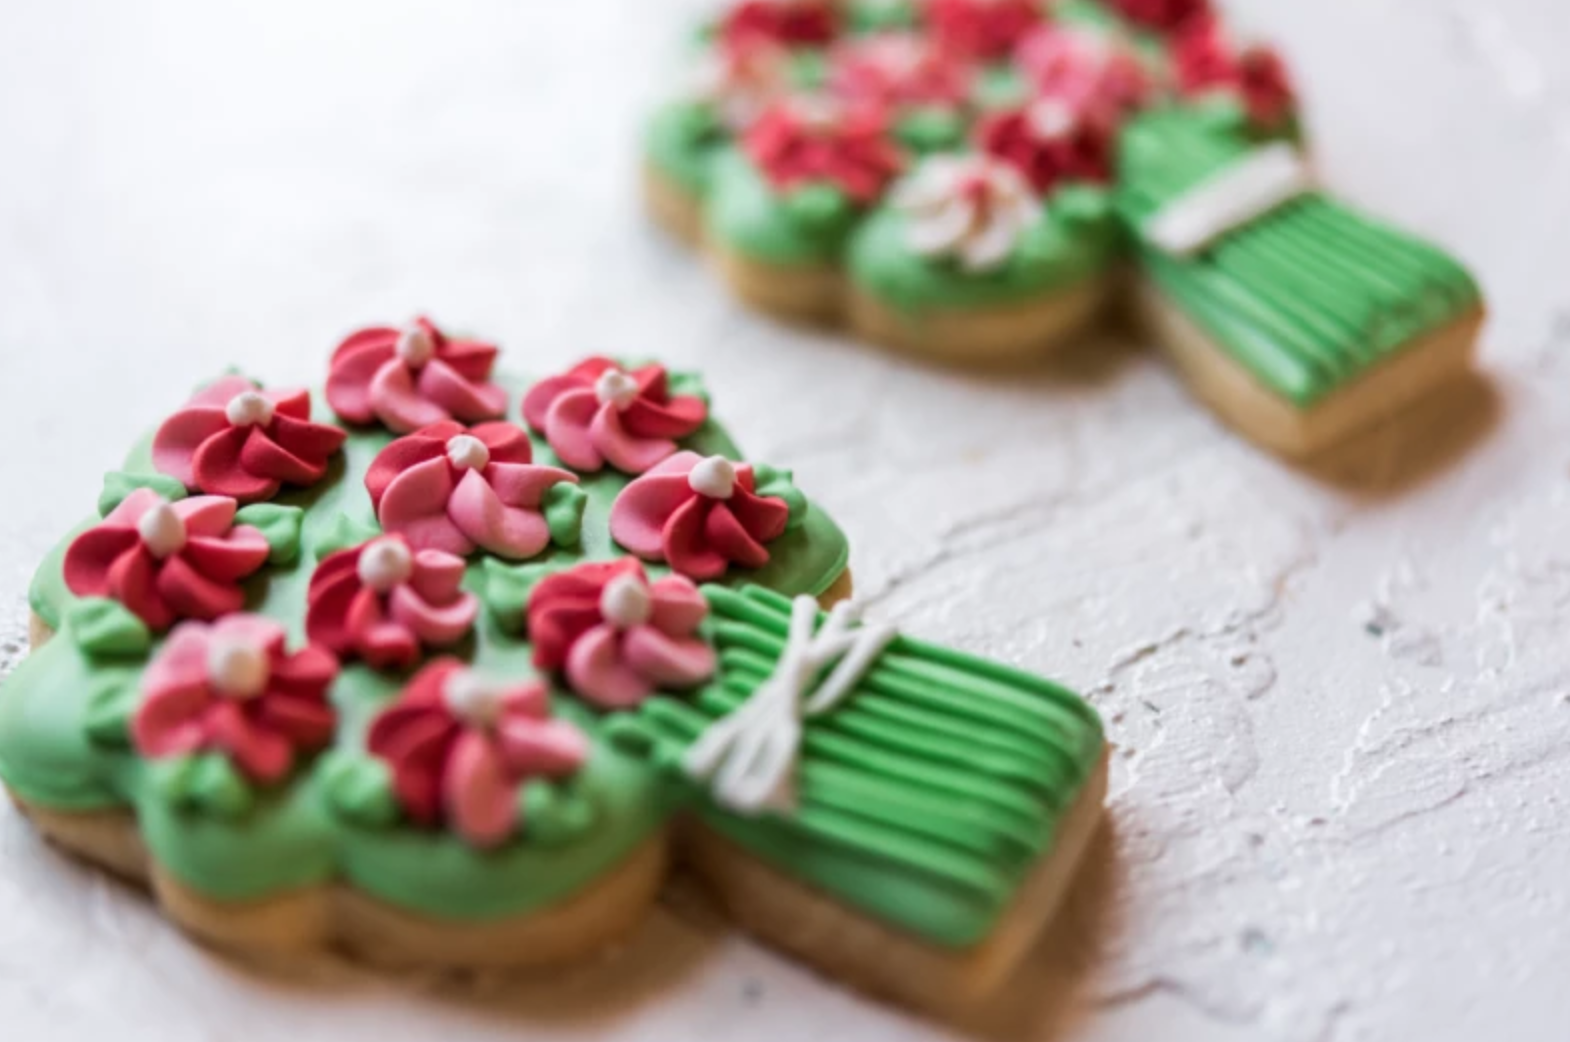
1343 707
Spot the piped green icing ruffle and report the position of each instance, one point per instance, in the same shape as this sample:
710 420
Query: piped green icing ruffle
64 711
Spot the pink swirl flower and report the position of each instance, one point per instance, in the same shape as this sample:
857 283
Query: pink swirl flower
411 378
808 140
166 561
1208 61
1164 16
1050 144
698 515
983 29
460 747
598 413
231 686
234 439
383 601
794 23
1089 72
618 637
451 488
896 70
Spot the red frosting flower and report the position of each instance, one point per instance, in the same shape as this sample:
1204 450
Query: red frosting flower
895 70
1048 143
409 378
460 747
1164 16
1207 61
231 686
598 413
452 488
166 561
792 22
233 439
805 140
1092 73
383 601
986 29
617 636
699 516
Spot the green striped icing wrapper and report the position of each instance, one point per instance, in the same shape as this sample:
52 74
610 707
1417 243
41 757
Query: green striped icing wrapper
924 799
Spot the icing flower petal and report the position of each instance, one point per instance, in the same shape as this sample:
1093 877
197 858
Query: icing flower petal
698 515
801 141
434 626
413 377
235 440
479 513
164 560
415 506
791 22
233 687
982 29
461 747
598 413
615 636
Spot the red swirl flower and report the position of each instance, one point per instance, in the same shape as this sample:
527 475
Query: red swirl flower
1207 61
617 636
232 686
234 439
598 413
166 561
460 748
983 29
1164 16
1051 145
1092 73
452 488
698 515
795 23
410 378
897 70
383 601
806 140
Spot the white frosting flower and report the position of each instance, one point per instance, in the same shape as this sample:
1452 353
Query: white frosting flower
970 207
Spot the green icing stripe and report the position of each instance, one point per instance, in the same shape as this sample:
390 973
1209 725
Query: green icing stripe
291 838
924 799
1307 298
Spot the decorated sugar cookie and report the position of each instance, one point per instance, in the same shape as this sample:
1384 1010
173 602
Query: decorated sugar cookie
447 668
979 179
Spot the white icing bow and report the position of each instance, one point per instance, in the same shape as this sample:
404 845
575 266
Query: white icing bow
750 755
970 207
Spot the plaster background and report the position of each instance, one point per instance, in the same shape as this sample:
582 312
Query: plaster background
1341 697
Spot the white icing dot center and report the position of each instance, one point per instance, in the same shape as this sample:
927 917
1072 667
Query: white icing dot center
466 452
1050 119
248 409
416 347
237 669
386 563
625 602
162 531
615 387
473 699
714 477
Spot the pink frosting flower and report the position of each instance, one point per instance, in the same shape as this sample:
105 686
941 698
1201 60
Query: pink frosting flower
383 601
411 378
1049 143
617 636
794 23
234 439
1164 16
699 516
984 29
460 747
452 488
166 561
598 413
1089 72
1208 61
806 140
894 70
231 686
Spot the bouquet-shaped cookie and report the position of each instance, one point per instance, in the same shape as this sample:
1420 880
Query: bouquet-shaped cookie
445 668
979 179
